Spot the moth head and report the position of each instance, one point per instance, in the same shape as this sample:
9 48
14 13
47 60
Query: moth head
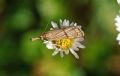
43 36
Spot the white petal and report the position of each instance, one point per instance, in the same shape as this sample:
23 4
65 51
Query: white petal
74 47
51 29
117 24
55 52
61 22
75 24
117 19
79 26
74 53
118 37
80 45
79 39
54 25
118 29
118 1
49 45
61 54
67 23
66 52
64 22
82 32
72 24
45 41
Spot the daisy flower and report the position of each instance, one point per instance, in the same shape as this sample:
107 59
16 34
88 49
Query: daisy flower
65 45
64 40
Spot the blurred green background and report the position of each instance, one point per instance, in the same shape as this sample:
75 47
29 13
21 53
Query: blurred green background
22 19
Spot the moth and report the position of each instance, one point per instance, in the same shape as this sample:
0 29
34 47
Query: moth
66 32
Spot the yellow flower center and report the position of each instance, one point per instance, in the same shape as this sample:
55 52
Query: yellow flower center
64 43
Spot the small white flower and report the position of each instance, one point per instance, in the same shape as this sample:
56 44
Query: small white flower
118 1
65 45
117 23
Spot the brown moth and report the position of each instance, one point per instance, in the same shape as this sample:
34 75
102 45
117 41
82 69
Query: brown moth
67 32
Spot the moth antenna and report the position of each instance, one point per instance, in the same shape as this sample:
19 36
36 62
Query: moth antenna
36 38
47 25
